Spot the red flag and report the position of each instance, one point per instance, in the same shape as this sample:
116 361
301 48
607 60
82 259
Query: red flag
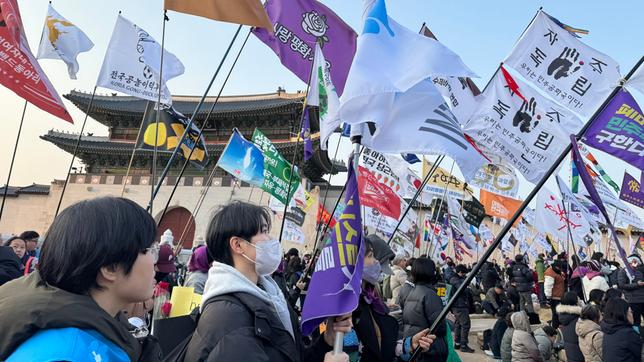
324 216
19 70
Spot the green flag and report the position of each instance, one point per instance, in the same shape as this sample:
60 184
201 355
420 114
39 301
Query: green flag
277 170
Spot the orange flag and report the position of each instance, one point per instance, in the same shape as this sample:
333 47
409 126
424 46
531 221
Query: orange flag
499 206
247 12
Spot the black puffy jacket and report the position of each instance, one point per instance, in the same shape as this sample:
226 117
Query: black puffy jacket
522 275
9 265
422 306
568 317
489 276
621 343
633 292
463 300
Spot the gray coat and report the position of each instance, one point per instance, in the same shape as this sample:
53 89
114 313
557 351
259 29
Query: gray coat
506 345
544 343
197 280
524 345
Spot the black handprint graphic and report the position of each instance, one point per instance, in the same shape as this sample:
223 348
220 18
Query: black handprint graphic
523 118
561 65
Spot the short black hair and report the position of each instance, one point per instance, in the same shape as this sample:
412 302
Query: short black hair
616 310
597 256
596 296
591 312
549 331
238 218
569 298
610 294
29 235
423 271
8 242
91 234
460 268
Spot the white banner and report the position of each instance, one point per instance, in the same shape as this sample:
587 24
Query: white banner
133 62
566 69
524 130
499 179
458 96
551 218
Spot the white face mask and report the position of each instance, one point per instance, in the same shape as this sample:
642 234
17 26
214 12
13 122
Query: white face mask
268 255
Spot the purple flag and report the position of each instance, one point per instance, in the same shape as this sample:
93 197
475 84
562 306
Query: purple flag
594 197
336 282
299 24
306 136
632 191
619 130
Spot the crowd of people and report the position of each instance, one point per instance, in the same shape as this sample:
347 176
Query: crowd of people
87 290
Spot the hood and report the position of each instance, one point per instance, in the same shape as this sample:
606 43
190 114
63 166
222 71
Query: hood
585 326
613 327
29 305
568 313
579 272
521 322
591 274
224 279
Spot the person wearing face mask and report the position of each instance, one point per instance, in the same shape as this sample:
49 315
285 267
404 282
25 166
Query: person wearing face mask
244 314
633 288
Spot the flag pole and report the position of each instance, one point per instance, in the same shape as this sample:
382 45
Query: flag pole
418 192
572 241
13 158
192 118
328 185
440 206
522 207
78 140
129 166
158 108
203 126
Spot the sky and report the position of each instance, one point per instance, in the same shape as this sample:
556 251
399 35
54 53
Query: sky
482 32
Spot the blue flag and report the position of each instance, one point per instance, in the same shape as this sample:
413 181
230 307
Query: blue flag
410 158
336 282
306 136
346 130
243 160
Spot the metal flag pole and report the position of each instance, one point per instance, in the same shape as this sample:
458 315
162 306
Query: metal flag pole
328 185
440 206
158 109
129 165
572 241
78 140
203 127
418 192
13 158
192 118
519 211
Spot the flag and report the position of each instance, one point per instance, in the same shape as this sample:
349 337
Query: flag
306 136
243 160
637 80
410 158
388 87
589 156
498 179
574 204
632 191
277 171
460 227
324 217
336 282
322 94
460 92
499 206
299 25
517 126
247 12
346 130
172 125
19 70
442 180
574 74
585 178
619 130
132 64
63 40
541 240
474 212
407 178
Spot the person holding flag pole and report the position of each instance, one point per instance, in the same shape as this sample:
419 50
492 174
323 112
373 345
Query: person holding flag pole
497 241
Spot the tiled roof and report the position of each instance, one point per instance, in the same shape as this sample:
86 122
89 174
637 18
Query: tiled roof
33 189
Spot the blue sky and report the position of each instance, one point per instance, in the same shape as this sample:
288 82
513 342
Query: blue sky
482 32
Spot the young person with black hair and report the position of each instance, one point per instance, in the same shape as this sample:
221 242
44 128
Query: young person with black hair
590 333
461 310
568 313
10 265
18 245
596 296
621 343
98 258
31 240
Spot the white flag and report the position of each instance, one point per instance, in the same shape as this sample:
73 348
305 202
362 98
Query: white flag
637 80
322 94
389 60
569 71
574 203
551 218
459 96
460 227
63 40
132 64
522 129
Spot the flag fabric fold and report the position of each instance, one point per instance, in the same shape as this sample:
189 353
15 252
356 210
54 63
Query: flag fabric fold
247 12
63 40
323 95
132 64
306 136
243 159
19 70
336 282
277 170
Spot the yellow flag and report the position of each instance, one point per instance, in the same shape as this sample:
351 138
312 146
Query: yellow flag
247 12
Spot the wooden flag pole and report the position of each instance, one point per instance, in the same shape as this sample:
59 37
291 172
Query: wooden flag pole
158 109
203 126
519 211
78 140
13 158
192 118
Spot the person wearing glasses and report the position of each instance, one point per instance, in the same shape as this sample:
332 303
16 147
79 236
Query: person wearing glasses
97 258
